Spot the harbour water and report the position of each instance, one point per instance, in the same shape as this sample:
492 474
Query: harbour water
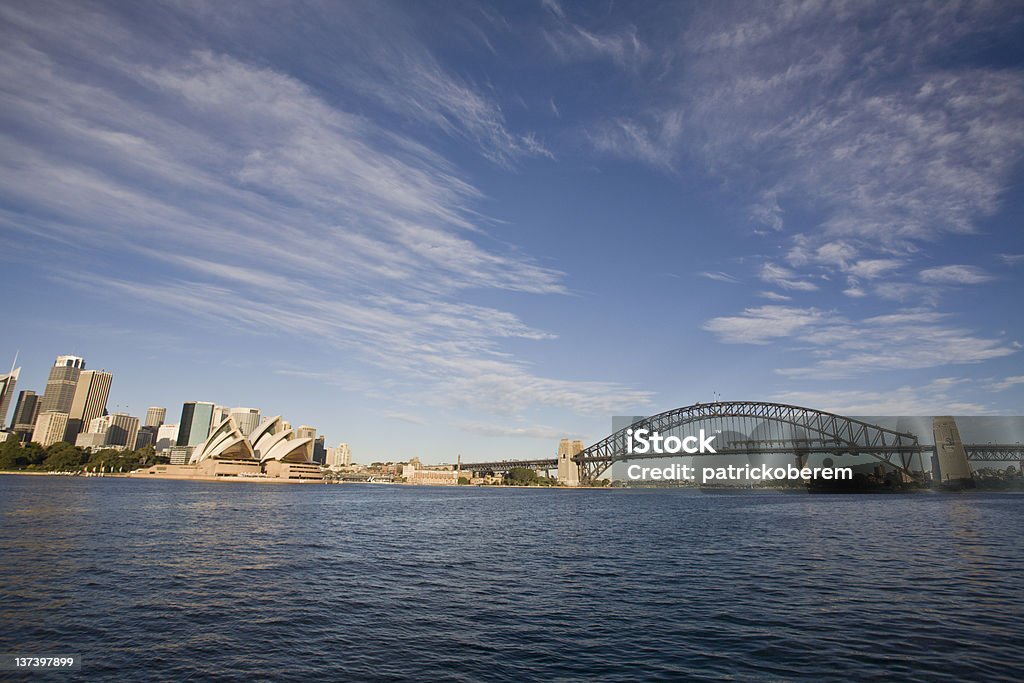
167 580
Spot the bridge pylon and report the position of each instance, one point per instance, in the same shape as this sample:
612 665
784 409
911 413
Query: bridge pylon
568 469
954 470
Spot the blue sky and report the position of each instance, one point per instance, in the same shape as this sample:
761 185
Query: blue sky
434 228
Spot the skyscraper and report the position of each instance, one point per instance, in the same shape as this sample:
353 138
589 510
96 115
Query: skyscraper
50 428
60 386
319 450
166 436
146 436
7 384
305 432
89 402
220 413
124 431
247 419
25 412
194 426
155 416
121 429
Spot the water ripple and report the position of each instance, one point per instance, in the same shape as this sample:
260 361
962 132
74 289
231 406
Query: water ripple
188 580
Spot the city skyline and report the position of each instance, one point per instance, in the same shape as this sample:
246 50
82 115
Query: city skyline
428 231
76 412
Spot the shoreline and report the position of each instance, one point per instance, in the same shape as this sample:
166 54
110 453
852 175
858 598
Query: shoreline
232 479
133 475
140 475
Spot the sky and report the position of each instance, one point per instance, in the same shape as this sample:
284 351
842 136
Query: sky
441 228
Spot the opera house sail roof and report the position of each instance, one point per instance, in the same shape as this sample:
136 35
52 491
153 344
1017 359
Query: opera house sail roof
267 442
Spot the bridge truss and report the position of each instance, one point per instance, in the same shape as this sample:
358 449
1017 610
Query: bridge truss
763 428
758 428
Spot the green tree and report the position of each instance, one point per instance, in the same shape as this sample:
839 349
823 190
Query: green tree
34 453
145 456
12 456
62 456
521 476
463 480
103 457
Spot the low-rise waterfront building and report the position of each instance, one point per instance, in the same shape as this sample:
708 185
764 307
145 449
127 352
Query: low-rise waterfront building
179 455
413 473
91 440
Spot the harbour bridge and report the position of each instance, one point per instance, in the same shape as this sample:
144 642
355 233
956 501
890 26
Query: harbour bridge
759 428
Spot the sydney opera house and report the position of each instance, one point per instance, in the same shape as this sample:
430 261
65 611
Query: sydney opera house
269 452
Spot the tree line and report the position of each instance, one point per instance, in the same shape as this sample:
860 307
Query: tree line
64 457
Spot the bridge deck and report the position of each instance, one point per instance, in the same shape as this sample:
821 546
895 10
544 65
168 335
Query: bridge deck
975 452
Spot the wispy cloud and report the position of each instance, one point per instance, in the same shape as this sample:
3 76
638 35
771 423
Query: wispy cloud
955 275
785 278
856 135
836 347
651 144
549 434
870 269
719 276
762 324
554 7
862 145
773 296
408 418
891 155
571 41
935 398
1008 383
272 211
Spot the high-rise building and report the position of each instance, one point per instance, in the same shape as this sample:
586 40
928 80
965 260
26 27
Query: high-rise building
7 384
220 413
89 402
305 432
166 436
50 428
247 419
339 456
95 433
194 426
320 450
25 413
121 429
61 384
155 416
146 436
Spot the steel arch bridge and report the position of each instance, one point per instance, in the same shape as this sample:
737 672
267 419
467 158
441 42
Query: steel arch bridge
779 428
